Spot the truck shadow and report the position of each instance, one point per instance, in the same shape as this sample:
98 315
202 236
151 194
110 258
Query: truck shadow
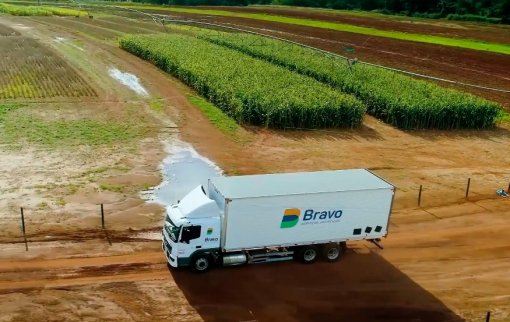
360 287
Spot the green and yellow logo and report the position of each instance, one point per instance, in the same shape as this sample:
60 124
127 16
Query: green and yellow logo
209 231
290 217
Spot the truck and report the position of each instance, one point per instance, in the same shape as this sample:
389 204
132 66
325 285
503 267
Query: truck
275 217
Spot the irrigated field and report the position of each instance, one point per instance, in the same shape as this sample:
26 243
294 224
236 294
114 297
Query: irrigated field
29 70
396 99
444 260
456 64
249 90
338 26
452 29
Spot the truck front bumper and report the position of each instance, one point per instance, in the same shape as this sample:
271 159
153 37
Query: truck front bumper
167 250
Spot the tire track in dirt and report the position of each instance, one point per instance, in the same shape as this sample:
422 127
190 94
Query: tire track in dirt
56 273
10 287
84 235
152 257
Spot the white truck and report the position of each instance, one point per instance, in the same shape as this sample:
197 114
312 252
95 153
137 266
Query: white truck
275 217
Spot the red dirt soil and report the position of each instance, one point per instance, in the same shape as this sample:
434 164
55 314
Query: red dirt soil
445 28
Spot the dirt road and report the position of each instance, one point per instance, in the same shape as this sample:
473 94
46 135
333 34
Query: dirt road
444 261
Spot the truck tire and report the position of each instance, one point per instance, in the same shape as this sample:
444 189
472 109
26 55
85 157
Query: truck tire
331 252
308 254
201 263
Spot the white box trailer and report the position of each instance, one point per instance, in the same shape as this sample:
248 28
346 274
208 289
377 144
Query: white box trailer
272 217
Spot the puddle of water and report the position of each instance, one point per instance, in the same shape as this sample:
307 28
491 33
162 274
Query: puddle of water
128 80
183 170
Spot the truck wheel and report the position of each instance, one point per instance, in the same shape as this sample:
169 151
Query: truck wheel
331 252
308 254
201 263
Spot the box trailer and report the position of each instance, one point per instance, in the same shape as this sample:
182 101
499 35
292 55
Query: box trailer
274 217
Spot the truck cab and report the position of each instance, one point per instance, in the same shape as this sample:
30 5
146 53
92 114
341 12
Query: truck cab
191 228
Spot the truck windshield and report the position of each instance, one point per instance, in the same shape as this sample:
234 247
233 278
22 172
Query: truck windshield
172 229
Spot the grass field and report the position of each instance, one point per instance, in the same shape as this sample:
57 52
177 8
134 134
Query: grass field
430 39
30 70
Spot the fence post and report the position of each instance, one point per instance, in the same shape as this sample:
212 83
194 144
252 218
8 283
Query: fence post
419 195
467 188
23 229
488 316
102 216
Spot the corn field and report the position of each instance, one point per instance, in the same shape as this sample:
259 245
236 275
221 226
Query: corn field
248 89
396 99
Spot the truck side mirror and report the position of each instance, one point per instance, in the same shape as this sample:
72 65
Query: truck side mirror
190 233
185 235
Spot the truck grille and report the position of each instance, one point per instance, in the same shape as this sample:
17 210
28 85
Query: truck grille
167 246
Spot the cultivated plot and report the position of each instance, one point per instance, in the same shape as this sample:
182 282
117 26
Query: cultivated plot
7 31
30 70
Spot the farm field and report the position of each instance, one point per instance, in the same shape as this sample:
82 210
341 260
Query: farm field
447 28
456 64
289 100
396 99
33 10
29 70
323 24
445 260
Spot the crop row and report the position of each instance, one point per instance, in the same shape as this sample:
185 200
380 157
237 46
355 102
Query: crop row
248 89
29 70
394 98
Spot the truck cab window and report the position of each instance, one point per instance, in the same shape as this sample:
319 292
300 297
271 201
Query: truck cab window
190 233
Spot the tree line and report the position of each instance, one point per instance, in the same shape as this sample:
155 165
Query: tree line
482 10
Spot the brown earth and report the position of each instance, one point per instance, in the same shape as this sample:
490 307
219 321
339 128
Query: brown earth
446 260
445 28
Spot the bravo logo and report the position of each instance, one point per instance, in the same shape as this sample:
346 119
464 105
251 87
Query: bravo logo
291 217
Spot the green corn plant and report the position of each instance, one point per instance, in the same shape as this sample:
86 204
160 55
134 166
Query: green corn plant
249 90
399 100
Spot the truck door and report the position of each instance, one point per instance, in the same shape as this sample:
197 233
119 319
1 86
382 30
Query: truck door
190 239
